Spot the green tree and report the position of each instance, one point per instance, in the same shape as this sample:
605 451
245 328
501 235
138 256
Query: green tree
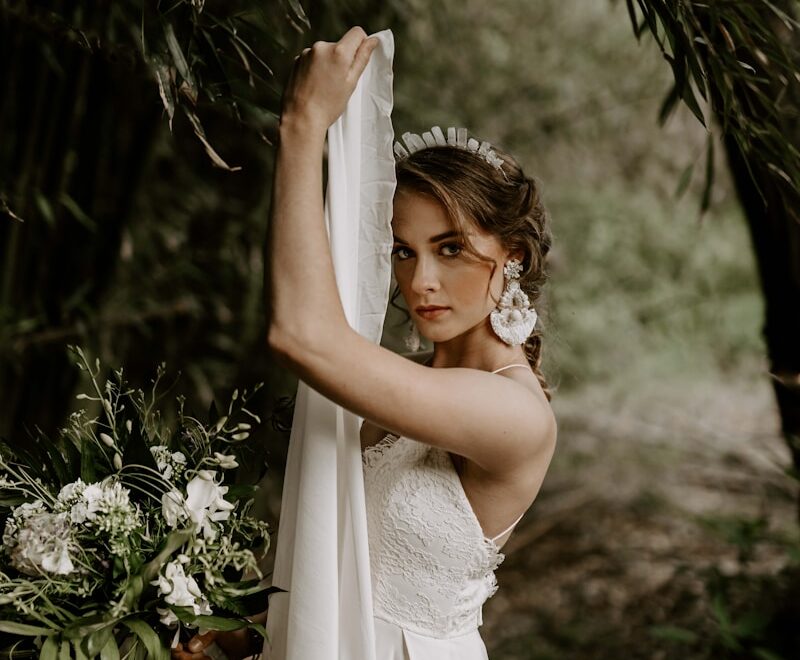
737 63
86 152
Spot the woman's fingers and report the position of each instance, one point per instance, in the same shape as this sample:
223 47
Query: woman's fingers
361 58
199 642
193 649
324 75
349 43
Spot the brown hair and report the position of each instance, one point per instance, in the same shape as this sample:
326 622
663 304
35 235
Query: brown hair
507 204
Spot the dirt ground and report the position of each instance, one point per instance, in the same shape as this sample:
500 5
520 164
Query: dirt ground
631 519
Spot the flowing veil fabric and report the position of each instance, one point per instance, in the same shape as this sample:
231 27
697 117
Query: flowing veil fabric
322 555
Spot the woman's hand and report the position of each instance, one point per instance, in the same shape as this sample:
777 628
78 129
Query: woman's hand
323 79
235 644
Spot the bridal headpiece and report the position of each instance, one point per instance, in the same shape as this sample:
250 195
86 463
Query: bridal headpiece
456 137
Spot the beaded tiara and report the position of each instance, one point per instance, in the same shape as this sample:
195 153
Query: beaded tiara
456 137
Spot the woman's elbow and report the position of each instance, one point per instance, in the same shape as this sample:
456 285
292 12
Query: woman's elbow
281 344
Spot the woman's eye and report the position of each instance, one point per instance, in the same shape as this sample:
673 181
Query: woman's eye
399 249
456 246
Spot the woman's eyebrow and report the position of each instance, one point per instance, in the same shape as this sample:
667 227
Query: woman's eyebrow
433 239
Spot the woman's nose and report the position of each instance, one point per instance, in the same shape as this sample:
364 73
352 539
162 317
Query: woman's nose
425 277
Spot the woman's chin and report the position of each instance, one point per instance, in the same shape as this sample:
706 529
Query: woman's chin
435 335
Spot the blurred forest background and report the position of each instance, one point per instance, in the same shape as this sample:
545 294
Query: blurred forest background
136 148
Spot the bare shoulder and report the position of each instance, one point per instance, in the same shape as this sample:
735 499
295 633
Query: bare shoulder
495 420
543 418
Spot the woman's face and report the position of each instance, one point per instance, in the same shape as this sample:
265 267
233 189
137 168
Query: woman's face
432 268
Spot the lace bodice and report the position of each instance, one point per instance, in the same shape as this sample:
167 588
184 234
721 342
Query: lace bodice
432 567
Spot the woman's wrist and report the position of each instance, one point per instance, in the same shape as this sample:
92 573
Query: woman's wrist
293 127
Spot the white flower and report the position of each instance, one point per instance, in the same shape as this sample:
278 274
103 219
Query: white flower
58 560
104 507
18 519
180 589
168 617
71 492
43 543
169 463
205 502
172 508
79 512
92 497
224 461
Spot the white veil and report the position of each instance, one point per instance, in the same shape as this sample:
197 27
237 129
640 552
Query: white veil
322 556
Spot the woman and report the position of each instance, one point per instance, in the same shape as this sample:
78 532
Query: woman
455 451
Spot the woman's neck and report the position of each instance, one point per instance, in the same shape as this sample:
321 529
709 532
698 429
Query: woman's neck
477 348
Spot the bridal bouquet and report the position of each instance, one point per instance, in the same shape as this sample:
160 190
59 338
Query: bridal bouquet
122 531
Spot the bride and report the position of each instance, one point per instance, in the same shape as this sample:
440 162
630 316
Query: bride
454 450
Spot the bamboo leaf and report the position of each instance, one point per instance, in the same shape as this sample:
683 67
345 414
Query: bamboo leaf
77 212
299 13
177 55
165 77
706 198
216 159
691 102
45 208
668 105
673 634
683 182
632 16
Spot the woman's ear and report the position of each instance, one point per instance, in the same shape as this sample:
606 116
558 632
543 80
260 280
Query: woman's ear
518 254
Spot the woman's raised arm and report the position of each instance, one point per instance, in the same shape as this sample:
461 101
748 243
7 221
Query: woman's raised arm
494 421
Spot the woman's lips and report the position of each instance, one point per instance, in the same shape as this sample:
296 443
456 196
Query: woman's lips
432 313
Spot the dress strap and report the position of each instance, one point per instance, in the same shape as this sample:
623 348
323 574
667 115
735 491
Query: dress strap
508 366
508 529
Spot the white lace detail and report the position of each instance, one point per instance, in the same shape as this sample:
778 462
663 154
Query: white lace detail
432 567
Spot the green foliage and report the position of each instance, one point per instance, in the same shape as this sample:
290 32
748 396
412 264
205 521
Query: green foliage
120 537
739 59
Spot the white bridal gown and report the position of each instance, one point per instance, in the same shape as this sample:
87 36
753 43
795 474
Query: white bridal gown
379 554
432 567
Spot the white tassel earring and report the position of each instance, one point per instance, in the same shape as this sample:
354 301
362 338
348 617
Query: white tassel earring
514 318
412 338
